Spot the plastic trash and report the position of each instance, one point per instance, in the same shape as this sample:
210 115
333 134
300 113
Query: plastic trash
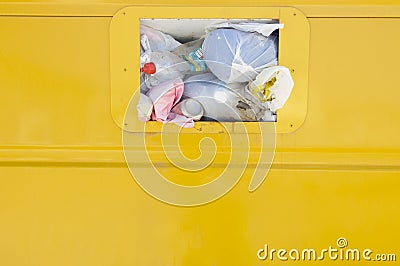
143 88
193 53
165 65
263 28
164 96
229 75
144 108
154 40
238 56
189 108
221 102
272 87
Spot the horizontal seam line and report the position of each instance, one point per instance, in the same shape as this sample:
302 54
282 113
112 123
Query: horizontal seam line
354 17
274 166
58 16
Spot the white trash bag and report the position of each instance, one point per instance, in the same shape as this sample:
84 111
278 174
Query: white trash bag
222 102
153 40
238 56
272 87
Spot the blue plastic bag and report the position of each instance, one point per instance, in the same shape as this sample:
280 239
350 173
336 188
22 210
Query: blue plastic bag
237 56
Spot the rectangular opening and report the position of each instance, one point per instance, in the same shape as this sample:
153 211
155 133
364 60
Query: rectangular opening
125 62
216 69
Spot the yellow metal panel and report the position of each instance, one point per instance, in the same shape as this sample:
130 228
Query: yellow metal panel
67 198
52 78
98 216
353 89
58 9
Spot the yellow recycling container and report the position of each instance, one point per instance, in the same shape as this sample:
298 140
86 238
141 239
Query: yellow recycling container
84 182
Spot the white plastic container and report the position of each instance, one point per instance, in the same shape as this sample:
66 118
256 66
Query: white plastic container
189 108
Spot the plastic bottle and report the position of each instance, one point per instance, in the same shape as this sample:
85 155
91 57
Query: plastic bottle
166 65
193 53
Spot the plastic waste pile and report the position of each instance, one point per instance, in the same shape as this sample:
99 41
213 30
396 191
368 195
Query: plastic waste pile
230 74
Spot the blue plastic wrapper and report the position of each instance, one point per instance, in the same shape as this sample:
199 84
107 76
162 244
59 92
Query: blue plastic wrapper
237 56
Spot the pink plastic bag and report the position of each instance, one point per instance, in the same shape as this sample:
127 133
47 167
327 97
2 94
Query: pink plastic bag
165 96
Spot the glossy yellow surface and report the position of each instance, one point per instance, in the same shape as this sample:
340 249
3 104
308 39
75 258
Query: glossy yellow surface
67 197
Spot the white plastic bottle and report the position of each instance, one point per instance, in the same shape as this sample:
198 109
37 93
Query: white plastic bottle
164 66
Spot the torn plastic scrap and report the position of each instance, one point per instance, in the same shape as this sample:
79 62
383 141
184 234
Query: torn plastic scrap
263 28
144 108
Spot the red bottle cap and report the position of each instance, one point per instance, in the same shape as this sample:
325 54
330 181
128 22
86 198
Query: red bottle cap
148 68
